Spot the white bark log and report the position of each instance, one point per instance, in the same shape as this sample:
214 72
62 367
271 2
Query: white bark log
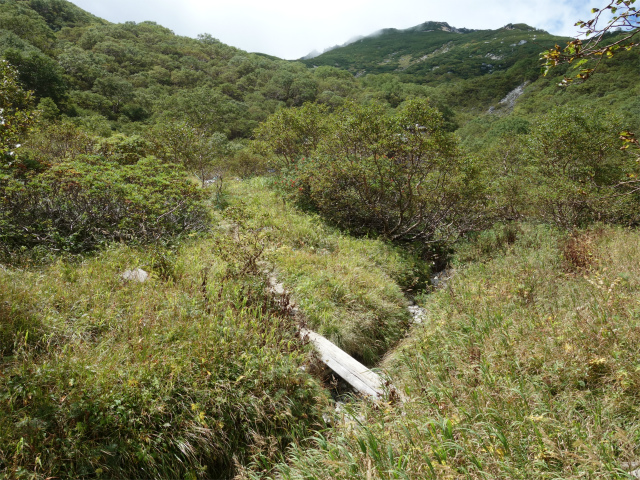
348 368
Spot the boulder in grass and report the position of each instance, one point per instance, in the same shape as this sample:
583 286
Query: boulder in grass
137 275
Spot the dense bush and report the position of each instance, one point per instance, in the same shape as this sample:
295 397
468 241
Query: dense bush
246 164
566 169
578 168
400 175
76 205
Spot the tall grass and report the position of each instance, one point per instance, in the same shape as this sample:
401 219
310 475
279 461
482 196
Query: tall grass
173 378
525 367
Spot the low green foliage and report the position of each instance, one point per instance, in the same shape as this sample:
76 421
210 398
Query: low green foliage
525 363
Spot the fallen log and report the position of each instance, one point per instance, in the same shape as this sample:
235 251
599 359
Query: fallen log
362 379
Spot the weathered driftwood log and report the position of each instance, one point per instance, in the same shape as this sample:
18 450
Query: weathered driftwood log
362 379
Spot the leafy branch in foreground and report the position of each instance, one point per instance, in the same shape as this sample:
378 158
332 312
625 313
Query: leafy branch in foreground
624 18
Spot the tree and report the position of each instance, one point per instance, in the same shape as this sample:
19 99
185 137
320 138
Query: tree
116 89
401 175
27 24
207 109
625 17
577 172
200 152
48 109
17 115
38 73
206 159
292 133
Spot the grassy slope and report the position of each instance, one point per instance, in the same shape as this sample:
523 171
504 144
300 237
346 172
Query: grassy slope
526 367
144 380
348 289
182 376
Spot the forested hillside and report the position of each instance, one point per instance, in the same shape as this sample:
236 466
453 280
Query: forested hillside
122 77
174 210
111 75
436 53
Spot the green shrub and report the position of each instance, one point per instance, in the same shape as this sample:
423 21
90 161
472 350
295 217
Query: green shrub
245 164
401 175
79 204
55 141
576 166
567 169
125 149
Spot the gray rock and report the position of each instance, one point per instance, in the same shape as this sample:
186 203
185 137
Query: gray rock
137 275
440 279
275 287
418 313
513 95
635 473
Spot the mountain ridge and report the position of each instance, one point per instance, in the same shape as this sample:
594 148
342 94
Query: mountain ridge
417 28
396 50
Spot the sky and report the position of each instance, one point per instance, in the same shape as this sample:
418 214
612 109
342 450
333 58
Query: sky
290 29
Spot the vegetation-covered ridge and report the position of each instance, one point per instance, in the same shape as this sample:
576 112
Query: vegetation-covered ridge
432 46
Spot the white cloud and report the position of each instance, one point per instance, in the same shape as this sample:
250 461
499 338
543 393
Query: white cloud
292 28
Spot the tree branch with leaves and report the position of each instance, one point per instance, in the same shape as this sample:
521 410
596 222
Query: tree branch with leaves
592 40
